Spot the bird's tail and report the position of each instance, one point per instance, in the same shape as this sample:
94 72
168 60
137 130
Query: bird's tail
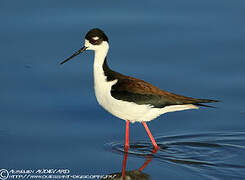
199 102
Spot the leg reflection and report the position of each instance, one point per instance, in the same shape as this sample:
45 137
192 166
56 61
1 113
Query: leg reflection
148 160
124 164
132 174
135 174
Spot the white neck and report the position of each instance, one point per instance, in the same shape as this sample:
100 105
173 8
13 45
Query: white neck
99 58
100 54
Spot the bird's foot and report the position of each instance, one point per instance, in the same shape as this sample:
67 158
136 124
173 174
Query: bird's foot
155 149
126 147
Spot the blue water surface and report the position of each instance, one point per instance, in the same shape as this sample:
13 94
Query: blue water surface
49 117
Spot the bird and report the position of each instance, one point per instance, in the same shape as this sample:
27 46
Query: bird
128 98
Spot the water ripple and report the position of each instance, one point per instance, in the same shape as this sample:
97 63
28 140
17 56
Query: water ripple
213 155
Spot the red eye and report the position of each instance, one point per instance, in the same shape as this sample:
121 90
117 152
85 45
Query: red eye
93 41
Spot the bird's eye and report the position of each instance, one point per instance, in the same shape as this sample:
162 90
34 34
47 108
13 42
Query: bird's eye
93 41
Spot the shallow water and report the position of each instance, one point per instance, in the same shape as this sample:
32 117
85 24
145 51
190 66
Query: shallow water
49 115
209 155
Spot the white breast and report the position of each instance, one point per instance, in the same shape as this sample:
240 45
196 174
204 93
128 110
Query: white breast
121 109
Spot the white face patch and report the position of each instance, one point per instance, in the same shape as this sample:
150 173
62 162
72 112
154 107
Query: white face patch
95 38
86 43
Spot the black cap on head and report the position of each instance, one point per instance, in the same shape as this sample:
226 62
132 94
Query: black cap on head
90 36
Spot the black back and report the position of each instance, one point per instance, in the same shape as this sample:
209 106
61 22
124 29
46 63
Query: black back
140 92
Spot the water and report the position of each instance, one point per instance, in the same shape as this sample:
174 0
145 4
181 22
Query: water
207 155
49 115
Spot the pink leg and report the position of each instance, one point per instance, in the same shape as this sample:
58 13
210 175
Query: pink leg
150 135
127 136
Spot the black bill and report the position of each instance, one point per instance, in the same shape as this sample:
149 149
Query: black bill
75 54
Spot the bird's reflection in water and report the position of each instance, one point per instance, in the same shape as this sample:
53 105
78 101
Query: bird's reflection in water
133 174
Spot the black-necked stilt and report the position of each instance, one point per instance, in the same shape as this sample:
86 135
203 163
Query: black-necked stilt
128 98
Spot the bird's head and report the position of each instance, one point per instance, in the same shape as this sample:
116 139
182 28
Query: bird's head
95 40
